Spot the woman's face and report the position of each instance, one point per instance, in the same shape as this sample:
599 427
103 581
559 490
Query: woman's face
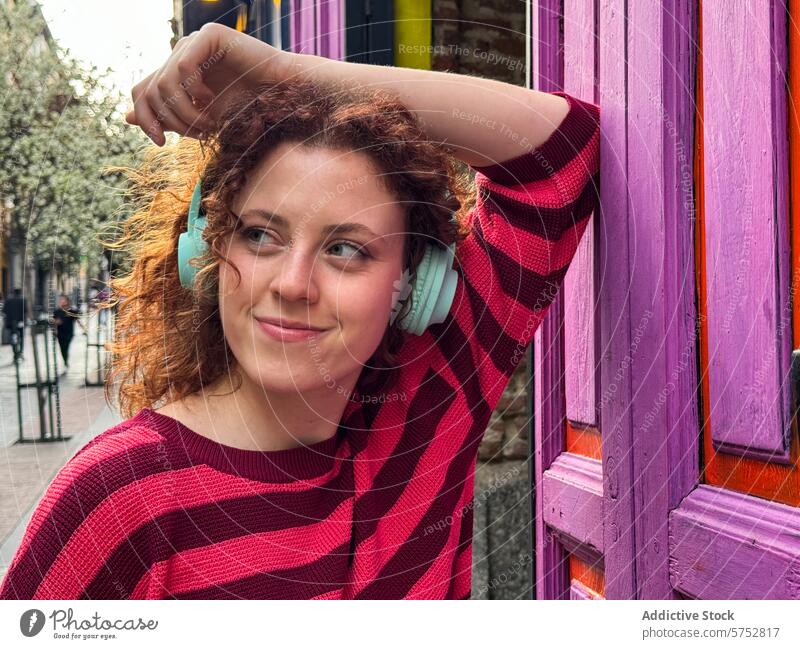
320 242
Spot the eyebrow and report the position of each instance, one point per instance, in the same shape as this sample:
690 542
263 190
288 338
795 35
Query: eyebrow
337 228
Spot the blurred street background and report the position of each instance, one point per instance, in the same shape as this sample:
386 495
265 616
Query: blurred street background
27 468
67 70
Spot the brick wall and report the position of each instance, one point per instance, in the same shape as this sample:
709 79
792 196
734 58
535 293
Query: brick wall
480 38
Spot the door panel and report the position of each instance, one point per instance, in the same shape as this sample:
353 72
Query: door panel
746 230
726 545
736 536
746 468
580 295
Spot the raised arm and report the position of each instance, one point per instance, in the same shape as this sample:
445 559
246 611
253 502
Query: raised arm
482 121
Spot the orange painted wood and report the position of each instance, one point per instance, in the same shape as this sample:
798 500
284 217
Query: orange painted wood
794 160
583 440
590 575
780 483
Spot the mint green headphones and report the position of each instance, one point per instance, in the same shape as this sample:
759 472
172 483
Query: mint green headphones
432 290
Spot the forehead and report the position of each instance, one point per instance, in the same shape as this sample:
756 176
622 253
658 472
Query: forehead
323 186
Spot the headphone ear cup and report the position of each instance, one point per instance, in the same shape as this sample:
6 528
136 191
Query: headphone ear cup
190 243
184 270
433 289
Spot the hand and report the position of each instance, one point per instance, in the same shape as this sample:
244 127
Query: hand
204 73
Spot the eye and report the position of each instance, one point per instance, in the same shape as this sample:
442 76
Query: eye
248 232
361 253
252 236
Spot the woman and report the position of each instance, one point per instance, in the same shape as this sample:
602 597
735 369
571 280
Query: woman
290 435
64 319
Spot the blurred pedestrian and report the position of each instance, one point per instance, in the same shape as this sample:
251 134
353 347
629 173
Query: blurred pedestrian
64 319
14 318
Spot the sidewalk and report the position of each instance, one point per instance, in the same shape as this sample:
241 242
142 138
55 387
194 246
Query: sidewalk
27 469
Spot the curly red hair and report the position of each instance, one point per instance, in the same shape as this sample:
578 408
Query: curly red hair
169 341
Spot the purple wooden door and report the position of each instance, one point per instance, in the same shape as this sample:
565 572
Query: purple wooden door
735 536
695 490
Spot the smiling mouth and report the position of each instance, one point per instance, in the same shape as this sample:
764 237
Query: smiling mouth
289 334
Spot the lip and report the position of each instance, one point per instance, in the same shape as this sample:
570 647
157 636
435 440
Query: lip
284 330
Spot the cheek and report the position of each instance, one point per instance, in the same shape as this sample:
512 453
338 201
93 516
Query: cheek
236 291
244 284
363 308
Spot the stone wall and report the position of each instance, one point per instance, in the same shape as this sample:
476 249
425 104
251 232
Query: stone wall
502 545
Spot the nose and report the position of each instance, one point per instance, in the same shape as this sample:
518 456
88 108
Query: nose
295 279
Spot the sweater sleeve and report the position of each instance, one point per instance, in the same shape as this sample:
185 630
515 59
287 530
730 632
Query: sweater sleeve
530 214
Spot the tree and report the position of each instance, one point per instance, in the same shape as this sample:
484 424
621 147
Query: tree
59 127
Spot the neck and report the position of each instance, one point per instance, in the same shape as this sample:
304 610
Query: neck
254 418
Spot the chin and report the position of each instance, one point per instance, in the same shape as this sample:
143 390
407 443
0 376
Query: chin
297 368
278 377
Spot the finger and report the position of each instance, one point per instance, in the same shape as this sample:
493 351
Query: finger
182 80
144 116
149 111
198 91
169 122
167 118
174 109
182 103
162 103
201 52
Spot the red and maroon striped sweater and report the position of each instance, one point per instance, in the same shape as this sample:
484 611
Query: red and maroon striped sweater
151 509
